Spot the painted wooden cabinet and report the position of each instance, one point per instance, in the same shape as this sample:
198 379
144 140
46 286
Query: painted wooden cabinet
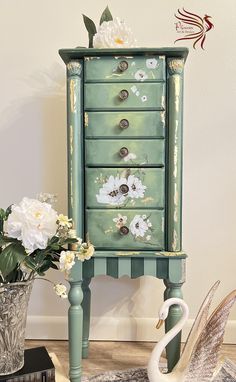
124 116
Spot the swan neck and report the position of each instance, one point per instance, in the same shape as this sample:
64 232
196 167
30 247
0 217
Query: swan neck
154 372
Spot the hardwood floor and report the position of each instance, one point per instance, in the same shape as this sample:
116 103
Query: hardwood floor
105 356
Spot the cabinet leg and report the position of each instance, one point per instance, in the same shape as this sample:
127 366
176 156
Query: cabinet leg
175 313
75 323
86 316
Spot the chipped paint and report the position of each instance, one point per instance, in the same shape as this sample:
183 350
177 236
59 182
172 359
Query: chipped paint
71 139
118 57
73 98
170 254
174 242
163 101
92 58
86 119
71 148
127 253
163 117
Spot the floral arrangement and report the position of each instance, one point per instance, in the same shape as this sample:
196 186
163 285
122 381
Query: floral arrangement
111 33
34 238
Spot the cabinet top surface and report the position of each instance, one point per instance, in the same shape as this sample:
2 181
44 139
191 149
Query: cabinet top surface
73 54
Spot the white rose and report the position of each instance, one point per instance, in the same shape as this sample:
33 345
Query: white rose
32 222
114 34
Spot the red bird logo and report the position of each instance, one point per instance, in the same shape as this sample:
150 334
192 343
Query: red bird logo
194 21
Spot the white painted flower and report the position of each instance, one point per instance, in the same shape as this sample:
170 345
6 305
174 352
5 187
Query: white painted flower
120 220
140 75
136 188
86 251
151 63
114 34
144 98
134 88
149 223
138 226
66 261
110 192
137 93
32 222
148 237
64 221
130 156
60 290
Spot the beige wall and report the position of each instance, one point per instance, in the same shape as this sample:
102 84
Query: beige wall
33 148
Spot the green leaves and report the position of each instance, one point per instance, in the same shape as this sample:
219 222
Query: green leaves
10 257
106 15
91 27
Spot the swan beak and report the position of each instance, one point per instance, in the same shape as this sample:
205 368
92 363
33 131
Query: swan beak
159 324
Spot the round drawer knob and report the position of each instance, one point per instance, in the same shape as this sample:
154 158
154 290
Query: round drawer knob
124 189
124 123
123 152
123 66
124 94
124 230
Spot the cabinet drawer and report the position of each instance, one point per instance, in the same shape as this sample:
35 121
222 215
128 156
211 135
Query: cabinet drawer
139 96
124 152
124 187
126 229
125 124
149 68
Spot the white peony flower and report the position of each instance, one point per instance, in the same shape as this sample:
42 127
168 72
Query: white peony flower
120 220
114 34
151 63
60 290
32 222
110 192
138 226
136 188
67 260
140 75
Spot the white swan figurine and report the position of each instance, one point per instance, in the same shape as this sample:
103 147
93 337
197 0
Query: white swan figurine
200 356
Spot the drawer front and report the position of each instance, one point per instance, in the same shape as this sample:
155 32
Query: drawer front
125 187
126 229
125 124
139 96
125 152
149 68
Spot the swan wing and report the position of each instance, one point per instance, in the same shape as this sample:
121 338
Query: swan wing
198 325
205 355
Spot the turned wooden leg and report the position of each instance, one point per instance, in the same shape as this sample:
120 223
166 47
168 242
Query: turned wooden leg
75 322
86 316
175 313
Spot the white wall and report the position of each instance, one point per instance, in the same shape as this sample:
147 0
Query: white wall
33 148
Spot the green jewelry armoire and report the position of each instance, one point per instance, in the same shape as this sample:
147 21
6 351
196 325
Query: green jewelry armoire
124 118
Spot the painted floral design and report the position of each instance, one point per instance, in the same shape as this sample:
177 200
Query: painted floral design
151 63
110 191
140 75
140 227
136 188
144 98
130 156
120 189
120 220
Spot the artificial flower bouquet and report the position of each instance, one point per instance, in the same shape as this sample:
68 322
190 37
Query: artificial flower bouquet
34 238
111 32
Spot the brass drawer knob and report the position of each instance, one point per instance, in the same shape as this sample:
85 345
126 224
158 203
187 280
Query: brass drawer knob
124 230
123 66
124 94
124 123
123 152
124 189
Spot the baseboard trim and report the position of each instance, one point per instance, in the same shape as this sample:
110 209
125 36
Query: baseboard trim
110 329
